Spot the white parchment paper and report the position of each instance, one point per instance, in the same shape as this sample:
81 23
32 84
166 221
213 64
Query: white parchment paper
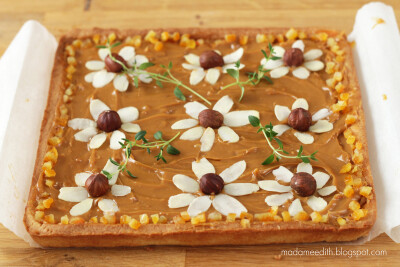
25 76
26 69
377 57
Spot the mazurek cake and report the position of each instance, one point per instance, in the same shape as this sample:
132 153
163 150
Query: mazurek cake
201 137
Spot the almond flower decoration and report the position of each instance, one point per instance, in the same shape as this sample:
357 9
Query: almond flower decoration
300 119
209 119
206 65
107 70
105 120
207 189
303 183
294 58
90 186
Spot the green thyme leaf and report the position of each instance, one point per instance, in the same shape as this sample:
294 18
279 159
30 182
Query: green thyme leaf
130 174
254 121
178 93
269 160
140 135
158 135
172 150
145 65
234 73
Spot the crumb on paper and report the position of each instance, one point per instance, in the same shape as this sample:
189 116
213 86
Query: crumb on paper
384 97
378 21
27 100
353 44
278 257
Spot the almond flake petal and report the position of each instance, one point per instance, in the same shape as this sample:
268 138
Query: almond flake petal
233 172
97 140
97 107
278 51
190 66
192 59
95 65
85 134
300 103
199 205
194 108
127 53
108 206
82 207
121 83
321 114
305 138
231 66
316 203
207 140
298 44
120 190
116 137
202 167
102 78
80 178
304 167
196 76
140 59
180 200
326 191
103 53
228 135
224 104
281 112
295 207
321 178
130 127
226 204
312 54
241 189
212 76
279 72
280 128
80 124
271 64
185 183
278 199
192 134
112 169
144 77
321 126
301 73
184 124
234 56
282 174
239 118
273 186
73 194
89 77
314 65
128 114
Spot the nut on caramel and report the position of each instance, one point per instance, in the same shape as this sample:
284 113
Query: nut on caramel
211 118
303 184
97 185
211 59
109 121
293 57
113 66
300 119
211 183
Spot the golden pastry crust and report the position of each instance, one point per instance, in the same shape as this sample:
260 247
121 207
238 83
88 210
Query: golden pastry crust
111 235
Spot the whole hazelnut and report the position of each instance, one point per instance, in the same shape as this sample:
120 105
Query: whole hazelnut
293 57
211 183
300 119
211 59
97 185
303 184
211 118
113 66
109 121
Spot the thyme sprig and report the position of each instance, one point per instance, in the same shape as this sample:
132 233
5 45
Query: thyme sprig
277 153
166 77
254 78
141 142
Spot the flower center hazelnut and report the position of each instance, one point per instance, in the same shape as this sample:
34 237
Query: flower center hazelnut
211 183
211 59
211 118
300 119
97 185
303 184
293 57
109 121
113 66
